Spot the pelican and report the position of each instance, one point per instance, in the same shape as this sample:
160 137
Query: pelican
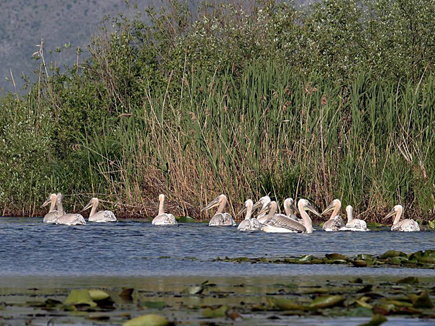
262 202
335 222
220 219
407 225
163 218
279 223
353 224
101 216
249 224
290 209
67 219
52 214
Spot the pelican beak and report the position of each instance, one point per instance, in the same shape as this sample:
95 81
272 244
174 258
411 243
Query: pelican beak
257 205
311 208
329 208
389 215
242 211
293 207
89 205
48 201
212 204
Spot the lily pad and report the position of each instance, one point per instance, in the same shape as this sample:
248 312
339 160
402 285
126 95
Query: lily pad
80 297
423 301
393 253
408 280
215 313
327 302
376 320
285 304
98 295
336 256
148 320
359 263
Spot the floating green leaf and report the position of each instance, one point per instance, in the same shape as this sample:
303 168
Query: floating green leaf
80 297
327 302
98 295
215 313
154 304
423 301
408 280
147 320
393 253
376 320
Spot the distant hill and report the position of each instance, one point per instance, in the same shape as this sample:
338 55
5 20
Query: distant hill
23 23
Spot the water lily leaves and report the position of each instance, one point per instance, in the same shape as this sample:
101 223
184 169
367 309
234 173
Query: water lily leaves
376 320
127 294
148 320
285 304
80 297
360 312
423 301
215 313
408 280
306 258
359 263
186 219
393 253
327 302
98 295
336 256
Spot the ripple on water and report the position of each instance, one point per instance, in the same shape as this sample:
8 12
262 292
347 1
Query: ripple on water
30 247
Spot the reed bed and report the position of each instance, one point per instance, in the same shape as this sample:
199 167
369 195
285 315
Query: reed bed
192 108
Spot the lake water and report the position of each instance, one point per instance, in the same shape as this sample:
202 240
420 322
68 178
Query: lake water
134 248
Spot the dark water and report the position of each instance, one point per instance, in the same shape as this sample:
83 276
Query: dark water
132 248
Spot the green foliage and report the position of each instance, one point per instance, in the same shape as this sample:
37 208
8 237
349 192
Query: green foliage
333 100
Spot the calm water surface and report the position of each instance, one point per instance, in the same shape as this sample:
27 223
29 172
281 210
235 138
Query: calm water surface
132 248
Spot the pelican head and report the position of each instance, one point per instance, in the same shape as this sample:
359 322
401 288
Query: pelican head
271 205
51 200
334 204
396 209
248 205
289 206
91 203
262 202
215 202
304 204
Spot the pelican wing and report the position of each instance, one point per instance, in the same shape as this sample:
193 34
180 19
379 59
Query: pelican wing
51 217
406 226
71 219
103 216
283 222
164 219
333 225
222 219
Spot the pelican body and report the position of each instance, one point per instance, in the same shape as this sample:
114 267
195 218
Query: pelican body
407 225
354 224
163 218
279 223
101 216
335 222
249 223
53 214
220 218
67 219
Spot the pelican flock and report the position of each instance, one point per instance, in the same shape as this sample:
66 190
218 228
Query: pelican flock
267 219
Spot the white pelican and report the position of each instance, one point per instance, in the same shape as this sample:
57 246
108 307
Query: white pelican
335 222
353 224
52 214
101 216
407 225
262 202
249 224
290 209
220 219
279 223
67 219
163 218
